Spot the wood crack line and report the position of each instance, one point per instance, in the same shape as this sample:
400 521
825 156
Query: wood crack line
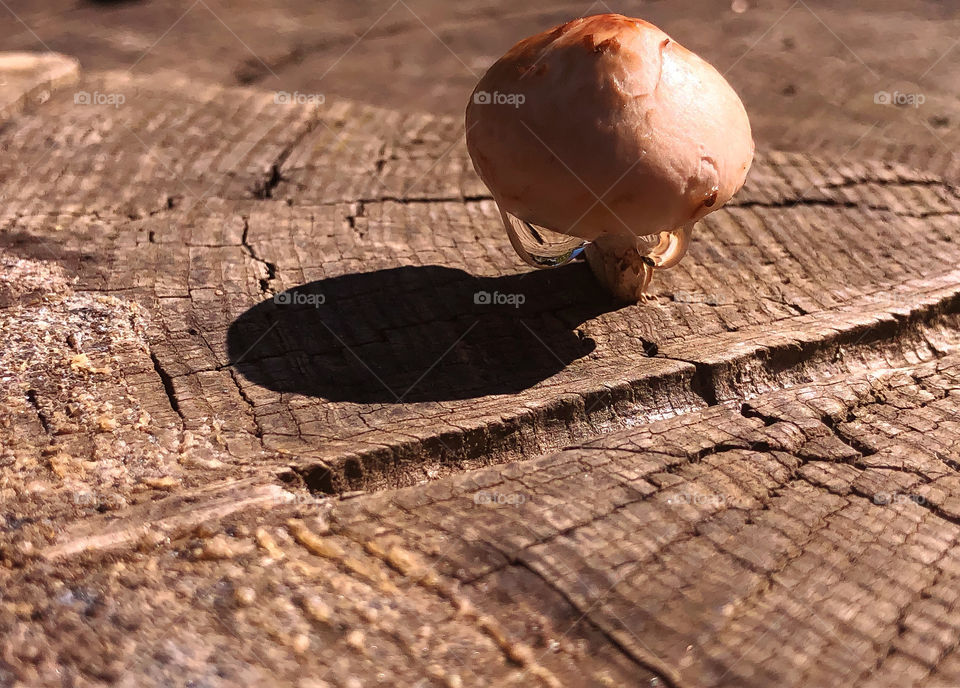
404 563
652 663
788 203
902 615
167 381
642 658
271 268
778 364
264 188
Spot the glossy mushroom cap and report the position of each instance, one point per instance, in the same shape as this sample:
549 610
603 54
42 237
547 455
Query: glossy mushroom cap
606 129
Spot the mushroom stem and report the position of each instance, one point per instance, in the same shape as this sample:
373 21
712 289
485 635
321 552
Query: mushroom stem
647 277
623 270
626 269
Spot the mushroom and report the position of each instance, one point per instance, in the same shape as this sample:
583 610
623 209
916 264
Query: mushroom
604 135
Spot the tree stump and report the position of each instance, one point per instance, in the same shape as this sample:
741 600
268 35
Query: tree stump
281 406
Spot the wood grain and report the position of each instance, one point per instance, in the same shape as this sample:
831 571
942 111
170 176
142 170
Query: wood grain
259 429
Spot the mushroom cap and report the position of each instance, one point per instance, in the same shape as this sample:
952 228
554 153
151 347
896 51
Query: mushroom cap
610 107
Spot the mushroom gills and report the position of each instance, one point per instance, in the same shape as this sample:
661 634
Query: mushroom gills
539 246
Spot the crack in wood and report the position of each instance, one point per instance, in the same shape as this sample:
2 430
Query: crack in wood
168 387
271 268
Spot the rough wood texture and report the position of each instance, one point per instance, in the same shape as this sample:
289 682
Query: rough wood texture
29 78
257 427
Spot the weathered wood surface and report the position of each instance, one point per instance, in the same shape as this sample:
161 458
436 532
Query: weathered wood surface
754 483
28 79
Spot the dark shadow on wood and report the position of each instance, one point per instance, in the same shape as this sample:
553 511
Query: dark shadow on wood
33 247
414 334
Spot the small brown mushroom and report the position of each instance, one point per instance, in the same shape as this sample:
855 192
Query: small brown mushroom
605 134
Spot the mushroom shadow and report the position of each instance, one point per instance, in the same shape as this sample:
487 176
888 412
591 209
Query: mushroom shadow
417 333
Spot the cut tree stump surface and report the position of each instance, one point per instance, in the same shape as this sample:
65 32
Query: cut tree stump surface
259 426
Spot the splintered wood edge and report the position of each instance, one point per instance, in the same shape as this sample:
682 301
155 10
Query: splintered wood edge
28 78
171 517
